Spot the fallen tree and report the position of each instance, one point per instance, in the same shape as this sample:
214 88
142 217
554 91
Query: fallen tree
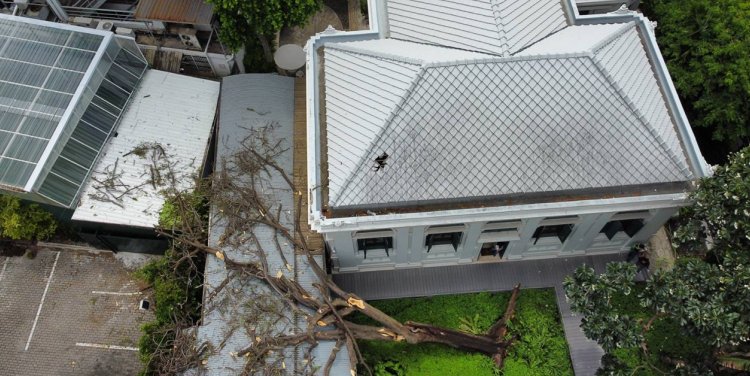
245 200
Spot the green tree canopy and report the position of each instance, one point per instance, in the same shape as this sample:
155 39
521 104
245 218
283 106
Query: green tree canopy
706 44
21 221
706 296
721 211
241 20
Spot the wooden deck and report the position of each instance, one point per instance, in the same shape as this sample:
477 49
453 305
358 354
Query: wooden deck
502 276
314 240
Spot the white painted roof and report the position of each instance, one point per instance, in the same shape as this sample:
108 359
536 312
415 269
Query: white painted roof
579 110
495 26
408 52
174 111
575 39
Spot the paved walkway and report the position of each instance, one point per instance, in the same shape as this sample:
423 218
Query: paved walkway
501 276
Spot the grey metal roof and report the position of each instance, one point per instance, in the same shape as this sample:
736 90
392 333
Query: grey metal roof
495 26
62 90
253 101
581 109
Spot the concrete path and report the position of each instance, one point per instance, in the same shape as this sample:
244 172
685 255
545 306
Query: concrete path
501 276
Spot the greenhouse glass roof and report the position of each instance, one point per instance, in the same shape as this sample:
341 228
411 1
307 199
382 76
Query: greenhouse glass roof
62 90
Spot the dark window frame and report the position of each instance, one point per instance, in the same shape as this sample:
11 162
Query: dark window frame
384 242
562 232
629 226
443 238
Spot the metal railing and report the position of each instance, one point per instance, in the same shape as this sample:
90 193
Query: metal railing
104 14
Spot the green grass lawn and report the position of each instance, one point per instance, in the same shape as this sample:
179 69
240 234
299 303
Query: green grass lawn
540 350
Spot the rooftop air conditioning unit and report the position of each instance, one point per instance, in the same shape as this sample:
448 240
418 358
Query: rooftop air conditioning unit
188 39
105 25
82 21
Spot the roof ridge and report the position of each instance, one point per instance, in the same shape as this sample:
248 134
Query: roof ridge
506 59
616 35
496 8
363 51
641 118
387 125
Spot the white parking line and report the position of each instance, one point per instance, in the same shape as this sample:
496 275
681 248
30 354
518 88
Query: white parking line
41 303
5 263
116 293
109 347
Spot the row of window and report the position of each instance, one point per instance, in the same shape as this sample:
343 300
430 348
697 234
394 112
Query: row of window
555 228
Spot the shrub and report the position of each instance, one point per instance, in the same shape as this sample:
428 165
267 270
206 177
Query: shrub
177 299
22 221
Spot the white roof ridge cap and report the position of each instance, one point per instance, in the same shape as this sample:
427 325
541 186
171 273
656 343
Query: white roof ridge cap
386 125
620 32
495 7
509 59
363 51
639 115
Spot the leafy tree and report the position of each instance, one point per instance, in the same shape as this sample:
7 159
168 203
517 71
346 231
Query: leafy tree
705 299
706 44
21 221
721 210
241 19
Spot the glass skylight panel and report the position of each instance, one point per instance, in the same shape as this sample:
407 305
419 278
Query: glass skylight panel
65 85
121 73
40 69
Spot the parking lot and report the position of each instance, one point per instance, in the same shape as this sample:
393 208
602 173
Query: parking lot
68 313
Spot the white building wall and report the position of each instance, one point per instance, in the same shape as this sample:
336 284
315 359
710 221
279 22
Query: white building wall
409 249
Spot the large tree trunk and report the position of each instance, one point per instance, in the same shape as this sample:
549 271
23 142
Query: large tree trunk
267 51
493 344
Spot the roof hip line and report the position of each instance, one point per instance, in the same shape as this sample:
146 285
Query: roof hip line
386 126
641 118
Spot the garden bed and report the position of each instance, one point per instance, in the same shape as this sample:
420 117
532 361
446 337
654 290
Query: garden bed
540 349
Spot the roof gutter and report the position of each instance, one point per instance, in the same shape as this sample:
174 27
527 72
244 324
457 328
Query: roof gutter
501 213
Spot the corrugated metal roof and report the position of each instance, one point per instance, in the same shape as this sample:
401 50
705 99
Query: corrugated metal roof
583 115
174 111
256 101
495 26
195 12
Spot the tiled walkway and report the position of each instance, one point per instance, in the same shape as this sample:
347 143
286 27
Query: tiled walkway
502 276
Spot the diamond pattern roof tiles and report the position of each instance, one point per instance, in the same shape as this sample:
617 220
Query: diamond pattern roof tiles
624 59
589 115
495 26
359 104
